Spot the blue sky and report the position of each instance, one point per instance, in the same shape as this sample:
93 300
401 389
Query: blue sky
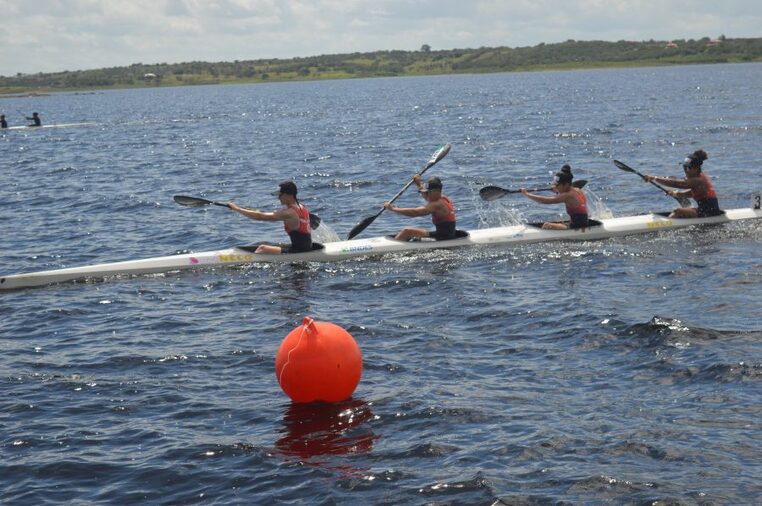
56 35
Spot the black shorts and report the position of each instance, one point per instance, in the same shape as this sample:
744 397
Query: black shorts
444 231
708 207
578 221
299 243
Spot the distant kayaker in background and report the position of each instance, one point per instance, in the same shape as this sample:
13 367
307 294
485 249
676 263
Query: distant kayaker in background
3 123
295 218
35 120
439 206
574 198
698 185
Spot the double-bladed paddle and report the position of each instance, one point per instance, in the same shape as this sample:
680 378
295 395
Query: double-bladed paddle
490 193
440 153
684 202
187 201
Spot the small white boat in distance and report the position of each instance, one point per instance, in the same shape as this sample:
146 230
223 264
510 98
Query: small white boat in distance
52 125
341 250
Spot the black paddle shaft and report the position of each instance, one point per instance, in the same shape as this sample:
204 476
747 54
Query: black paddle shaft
490 193
681 200
440 153
185 200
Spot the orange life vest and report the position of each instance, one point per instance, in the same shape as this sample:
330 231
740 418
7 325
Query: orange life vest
449 217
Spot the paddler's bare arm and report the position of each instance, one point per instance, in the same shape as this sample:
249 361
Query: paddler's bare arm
254 214
666 181
556 199
408 211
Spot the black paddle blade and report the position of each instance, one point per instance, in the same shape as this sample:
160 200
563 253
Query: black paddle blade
490 193
361 226
187 201
314 221
624 166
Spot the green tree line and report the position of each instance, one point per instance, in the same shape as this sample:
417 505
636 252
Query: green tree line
569 54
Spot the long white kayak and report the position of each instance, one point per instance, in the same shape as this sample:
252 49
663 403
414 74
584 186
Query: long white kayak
52 125
335 251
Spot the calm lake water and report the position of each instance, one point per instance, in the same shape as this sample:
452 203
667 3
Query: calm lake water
618 371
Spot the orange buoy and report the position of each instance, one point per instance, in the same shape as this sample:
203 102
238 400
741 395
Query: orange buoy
318 361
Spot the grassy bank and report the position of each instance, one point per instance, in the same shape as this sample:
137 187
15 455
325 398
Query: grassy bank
562 56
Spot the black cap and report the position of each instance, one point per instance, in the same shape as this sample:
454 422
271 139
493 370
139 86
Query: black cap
434 184
287 187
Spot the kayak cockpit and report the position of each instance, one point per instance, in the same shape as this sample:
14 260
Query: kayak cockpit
591 223
459 234
316 246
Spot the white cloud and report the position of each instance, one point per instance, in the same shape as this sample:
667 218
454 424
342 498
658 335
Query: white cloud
53 35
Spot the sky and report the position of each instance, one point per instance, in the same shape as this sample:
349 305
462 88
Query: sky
57 35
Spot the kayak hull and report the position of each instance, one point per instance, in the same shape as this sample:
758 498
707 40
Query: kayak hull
341 250
52 125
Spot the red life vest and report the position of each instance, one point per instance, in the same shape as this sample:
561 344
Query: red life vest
449 217
304 220
581 206
708 193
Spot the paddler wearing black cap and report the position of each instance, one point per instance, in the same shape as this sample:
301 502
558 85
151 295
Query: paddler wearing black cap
35 120
294 215
697 185
439 206
575 200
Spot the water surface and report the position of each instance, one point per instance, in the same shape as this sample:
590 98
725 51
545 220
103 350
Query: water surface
625 370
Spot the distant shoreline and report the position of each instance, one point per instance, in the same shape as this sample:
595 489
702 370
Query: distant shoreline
569 55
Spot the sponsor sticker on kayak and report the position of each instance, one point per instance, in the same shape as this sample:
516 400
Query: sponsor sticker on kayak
237 259
355 249
659 224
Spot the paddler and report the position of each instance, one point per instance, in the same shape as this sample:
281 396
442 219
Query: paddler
294 215
574 198
697 185
35 120
439 206
3 123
